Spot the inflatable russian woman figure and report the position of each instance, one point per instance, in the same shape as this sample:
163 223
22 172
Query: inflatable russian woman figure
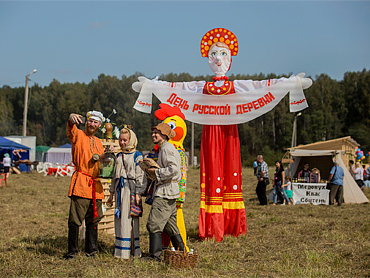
220 105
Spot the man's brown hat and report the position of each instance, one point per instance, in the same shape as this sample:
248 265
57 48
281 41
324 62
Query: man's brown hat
148 163
165 129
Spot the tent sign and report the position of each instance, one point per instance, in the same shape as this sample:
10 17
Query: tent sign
310 193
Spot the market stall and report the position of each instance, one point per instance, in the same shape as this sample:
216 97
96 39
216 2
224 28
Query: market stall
61 155
310 193
323 161
16 151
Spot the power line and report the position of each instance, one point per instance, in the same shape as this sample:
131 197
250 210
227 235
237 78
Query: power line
13 83
20 82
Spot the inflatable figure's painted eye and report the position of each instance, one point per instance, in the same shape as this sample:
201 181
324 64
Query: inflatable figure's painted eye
172 124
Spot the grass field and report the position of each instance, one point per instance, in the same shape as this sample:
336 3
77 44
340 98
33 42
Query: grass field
281 241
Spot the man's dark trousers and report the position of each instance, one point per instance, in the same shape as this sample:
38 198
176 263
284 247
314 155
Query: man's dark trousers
336 192
261 192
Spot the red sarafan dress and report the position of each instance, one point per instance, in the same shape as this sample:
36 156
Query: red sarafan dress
222 210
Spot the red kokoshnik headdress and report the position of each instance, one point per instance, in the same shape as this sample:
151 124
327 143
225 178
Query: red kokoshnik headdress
219 35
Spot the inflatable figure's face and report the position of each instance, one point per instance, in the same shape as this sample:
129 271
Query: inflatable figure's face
179 126
219 59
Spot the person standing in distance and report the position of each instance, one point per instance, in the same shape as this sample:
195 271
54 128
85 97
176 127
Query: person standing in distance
336 189
263 180
86 191
163 215
359 175
7 163
351 168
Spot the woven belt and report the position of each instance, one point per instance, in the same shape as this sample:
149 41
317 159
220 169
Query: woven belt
92 184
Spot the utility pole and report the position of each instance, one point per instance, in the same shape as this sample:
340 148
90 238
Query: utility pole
24 130
294 135
192 144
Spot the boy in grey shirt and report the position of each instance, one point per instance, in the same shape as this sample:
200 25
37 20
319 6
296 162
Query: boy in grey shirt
163 215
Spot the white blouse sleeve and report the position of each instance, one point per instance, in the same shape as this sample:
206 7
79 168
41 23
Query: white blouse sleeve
116 176
172 169
193 86
140 177
249 85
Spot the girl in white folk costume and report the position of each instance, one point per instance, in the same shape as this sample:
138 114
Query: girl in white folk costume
128 182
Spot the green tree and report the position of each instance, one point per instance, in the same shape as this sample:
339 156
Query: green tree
336 109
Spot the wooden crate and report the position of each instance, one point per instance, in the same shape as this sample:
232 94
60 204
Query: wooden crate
108 142
107 223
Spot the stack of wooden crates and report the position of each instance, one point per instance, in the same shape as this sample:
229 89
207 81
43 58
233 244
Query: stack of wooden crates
107 223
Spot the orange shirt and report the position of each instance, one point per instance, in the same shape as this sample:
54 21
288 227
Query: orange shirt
82 150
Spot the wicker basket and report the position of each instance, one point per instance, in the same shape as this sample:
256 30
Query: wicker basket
180 259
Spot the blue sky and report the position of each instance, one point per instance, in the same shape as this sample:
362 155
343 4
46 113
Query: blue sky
76 41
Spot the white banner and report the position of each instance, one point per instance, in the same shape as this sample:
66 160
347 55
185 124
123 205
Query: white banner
236 108
310 193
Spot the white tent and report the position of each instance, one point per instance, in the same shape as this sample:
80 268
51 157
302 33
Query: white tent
322 160
59 155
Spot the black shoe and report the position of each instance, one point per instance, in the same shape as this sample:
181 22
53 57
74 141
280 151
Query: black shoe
92 255
73 232
177 242
91 240
70 256
155 245
151 258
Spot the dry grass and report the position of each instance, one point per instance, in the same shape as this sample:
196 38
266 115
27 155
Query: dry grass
282 241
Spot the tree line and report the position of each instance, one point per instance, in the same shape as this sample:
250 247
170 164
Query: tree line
336 109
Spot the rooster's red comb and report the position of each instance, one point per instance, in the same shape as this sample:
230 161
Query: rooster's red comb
168 111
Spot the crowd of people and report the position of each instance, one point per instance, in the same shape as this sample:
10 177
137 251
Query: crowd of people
282 185
128 186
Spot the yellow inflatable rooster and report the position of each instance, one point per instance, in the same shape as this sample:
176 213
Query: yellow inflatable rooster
176 119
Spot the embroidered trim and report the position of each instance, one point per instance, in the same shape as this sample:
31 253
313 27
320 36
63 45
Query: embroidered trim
225 89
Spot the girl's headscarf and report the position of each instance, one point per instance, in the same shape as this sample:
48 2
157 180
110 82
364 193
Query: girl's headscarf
132 143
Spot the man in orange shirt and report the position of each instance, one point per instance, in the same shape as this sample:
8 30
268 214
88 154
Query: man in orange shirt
86 192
